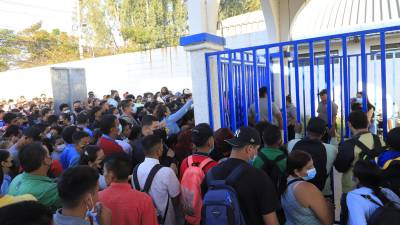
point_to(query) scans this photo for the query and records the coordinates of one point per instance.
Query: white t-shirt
(165, 186)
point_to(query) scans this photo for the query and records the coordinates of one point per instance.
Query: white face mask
(119, 129)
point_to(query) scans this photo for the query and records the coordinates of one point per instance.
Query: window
(392, 50)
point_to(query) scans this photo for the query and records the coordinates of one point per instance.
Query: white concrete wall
(136, 73)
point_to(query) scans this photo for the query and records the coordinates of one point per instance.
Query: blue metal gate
(241, 72)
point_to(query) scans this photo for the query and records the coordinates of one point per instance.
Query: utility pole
(78, 16)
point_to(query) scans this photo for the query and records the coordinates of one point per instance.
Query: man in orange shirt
(128, 206)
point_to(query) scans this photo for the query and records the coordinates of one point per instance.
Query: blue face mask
(310, 174)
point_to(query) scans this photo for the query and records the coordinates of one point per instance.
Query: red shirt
(128, 206)
(109, 146)
(198, 157)
(56, 168)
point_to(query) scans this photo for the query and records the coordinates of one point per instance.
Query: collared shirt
(69, 157)
(60, 219)
(41, 187)
(165, 186)
(128, 206)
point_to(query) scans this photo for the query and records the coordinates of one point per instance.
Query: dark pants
(291, 133)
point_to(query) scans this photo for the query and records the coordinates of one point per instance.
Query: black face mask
(78, 110)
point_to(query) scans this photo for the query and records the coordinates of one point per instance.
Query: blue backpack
(220, 204)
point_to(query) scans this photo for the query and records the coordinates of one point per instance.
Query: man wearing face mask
(36, 162)
(255, 191)
(70, 157)
(203, 139)
(127, 112)
(109, 126)
(77, 189)
(159, 182)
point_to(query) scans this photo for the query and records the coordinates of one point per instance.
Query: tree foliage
(35, 46)
(229, 8)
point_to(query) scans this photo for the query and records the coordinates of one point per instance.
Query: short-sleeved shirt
(165, 186)
(128, 206)
(323, 111)
(42, 188)
(263, 109)
(198, 157)
(69, 157)
(255, 190)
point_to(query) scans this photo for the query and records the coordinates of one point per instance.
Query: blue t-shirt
(69, 157)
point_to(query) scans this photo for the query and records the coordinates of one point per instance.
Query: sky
(20, 14)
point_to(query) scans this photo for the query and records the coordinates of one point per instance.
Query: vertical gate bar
(357, 72)
(341, 98)
(283, 95)
(328, 82)
(364, 73)
(269, 86)
(244, 90)
(255, 89)
(383, 77)
(296, 74)
(221, 93)
(311, 49)
(304, 101)
(231, 94)
(346, 83)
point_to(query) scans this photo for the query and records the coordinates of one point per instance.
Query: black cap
(245, 136)
(322, 92)
(32, 132)
(393, 138)
(201, 133)
(316, 125)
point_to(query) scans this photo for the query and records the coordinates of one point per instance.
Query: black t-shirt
(256, 192)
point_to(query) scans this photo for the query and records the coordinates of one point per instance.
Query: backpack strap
(294, 181)
(235, 174)
(150, 177)
(377, 143)
(135, 178)
(368, 197)
(364, 149)
(205, 162)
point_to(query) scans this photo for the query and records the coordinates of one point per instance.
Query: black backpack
(147, 186)
(272, 169)
(318, 153)
(367, 153)
(386, 214)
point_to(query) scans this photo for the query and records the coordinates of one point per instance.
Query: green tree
(8, 49)
(229, 8)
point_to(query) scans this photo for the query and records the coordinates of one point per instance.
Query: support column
(202, 20)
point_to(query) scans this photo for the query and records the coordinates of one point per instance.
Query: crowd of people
(142, 160)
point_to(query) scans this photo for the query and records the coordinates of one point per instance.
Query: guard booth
(344, 64)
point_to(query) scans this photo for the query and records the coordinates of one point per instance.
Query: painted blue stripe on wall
(200, 38)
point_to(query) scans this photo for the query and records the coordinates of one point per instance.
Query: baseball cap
(322, 92)
(245, 136)
(201, 133)
(316, 125)
(186, 91)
